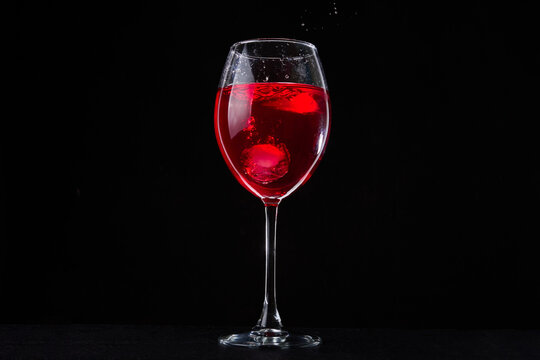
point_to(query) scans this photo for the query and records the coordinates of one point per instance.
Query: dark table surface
(176, 342)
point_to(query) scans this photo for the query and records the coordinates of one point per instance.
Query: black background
(117, 207)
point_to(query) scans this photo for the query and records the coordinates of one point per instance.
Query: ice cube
(301, 103)
(265, 163)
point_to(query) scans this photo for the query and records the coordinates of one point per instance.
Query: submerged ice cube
(302, 103)
(265, 163)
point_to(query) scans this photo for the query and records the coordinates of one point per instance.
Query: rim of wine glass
(278, 40)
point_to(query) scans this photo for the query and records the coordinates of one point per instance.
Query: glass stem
(269, 323)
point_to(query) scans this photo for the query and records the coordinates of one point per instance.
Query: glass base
(261, 339)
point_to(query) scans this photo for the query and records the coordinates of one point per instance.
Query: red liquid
(272, 135)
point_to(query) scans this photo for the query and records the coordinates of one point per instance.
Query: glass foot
(258, 339)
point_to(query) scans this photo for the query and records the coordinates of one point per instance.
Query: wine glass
(272, 120)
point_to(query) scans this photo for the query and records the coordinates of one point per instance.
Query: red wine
(272, 135)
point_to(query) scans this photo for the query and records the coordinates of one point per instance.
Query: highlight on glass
(272, 121)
